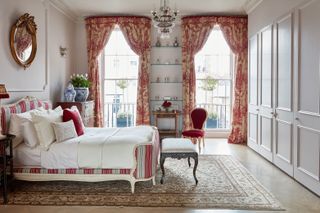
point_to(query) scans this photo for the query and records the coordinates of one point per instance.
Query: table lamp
(3, 92)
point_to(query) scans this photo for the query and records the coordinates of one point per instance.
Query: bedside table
(85, 108)
(6, 164)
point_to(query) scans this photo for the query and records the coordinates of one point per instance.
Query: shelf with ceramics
(175, 44)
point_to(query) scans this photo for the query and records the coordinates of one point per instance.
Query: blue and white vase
(82, 93)
(69, 93)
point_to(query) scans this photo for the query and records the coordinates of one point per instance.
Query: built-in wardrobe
(284, 94)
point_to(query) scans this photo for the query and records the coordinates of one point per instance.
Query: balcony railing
(124, 115)
(218, 115)
(119, 114)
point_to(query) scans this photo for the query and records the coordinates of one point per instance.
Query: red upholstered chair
(198, 117)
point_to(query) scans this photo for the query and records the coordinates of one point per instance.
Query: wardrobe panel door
(307, 125)
(253, 70)
(266, 111)
(283, 141)
(253, 108)
(266, 67)
(266, 134)
(308, 152)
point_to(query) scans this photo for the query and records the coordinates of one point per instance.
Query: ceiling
(83, 8)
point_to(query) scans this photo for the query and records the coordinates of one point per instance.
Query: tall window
(214, 72)
(120, 65)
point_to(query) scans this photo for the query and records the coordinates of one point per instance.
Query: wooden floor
(293, 196)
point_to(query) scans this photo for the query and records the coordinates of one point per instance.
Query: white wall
(47, 74)
(267, 12)
(61, 33)
(81, 65)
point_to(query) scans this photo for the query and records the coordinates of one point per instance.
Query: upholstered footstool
(178, 148)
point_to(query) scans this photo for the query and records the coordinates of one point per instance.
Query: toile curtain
(98, 32)
(195, 31)
(137, 33)
(235, 31)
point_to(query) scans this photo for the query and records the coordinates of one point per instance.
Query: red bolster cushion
(74, 115)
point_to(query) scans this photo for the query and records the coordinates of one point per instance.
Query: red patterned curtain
(235, 31)
(137, 31)
(98, 32)
(195, 32)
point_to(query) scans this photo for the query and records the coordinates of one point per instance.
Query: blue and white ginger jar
(69, 93)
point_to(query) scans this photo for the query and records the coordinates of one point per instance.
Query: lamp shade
(3, 92)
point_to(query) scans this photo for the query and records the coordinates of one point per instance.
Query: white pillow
(29, 134)
(64, 130)
(16, 121)
(42, 124)
(58, 110)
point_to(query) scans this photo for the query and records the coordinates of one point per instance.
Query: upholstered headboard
(23, 105)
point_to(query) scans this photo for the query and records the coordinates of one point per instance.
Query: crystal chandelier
(164, 19)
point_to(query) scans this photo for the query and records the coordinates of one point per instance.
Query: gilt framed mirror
(23, 40)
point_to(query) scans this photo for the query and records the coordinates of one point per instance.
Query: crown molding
(64, 9)
(250, 5)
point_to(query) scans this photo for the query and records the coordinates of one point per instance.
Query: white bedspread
(98, 148)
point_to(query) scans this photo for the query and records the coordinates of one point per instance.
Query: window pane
(120, 83)
(214, 64)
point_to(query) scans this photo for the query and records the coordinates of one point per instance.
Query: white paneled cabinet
(284, 94)
(266, 98)
(253, 107)
(283, 87)
(307, 123)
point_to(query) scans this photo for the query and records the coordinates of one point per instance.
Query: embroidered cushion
(64, 130)
(74, 115)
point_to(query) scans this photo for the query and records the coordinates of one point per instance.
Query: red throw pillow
(74, 115)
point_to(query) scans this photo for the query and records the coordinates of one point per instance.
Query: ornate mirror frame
(24, 21)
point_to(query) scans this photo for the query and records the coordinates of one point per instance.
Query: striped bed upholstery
(24, 105)
(146, 155)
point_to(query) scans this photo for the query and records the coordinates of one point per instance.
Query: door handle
(274, 114)
(296, 118)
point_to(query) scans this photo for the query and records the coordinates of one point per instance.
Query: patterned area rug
(223, 183)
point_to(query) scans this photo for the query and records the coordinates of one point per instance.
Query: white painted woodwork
(253, 71)
(307, 68)
(266, 134)
(283, 140)
(266, 110)
(253, 79)
(266, 67)
(288, 110)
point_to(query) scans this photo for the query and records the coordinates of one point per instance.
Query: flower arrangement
(166, 104)
(80, 80)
